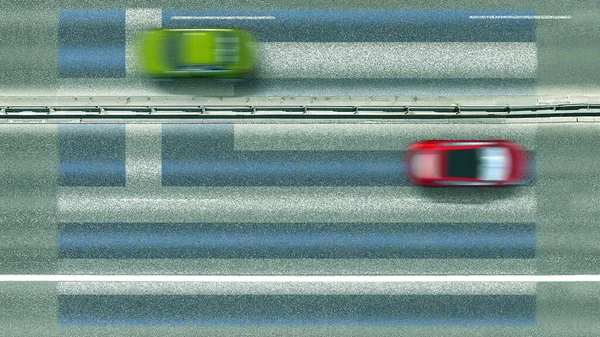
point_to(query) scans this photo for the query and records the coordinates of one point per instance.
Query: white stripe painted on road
(299, 266)
(143, 160)
(295, 288)
(294, 204)
(124, 88)
(365, 137)
(458, 60)
(136, 21)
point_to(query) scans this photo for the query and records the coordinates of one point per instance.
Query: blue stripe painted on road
(292, 240)
(202, 155)
(298, 310)
(91, 155)
(288, 168)
(91, 43)
(361, 25)
(385, 87)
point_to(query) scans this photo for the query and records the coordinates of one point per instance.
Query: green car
(206, 53)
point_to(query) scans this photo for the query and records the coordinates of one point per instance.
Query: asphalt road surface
(248, 198)
(316, 48)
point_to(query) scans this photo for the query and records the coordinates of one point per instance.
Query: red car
(467, 163)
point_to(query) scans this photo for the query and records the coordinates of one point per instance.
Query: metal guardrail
(296, 111)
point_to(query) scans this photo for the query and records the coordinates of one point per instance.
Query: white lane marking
(299, 288)
(521, 17)
(369, 60)
(238, 17)
(301, 279)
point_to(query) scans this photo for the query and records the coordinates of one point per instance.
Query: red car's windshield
(463, 163)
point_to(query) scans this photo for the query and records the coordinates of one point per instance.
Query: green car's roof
(197, 48)
(175, 52)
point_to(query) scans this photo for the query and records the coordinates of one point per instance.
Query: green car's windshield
(227, 48)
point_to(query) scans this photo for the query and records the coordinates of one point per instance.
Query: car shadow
(193, 87)
(468, 195)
